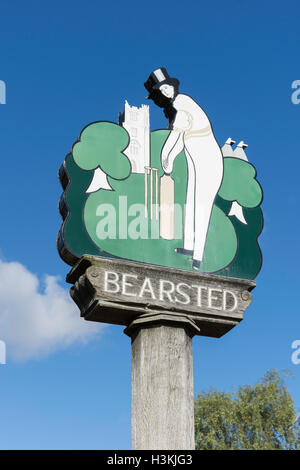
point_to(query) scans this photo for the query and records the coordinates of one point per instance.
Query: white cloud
(38, 318)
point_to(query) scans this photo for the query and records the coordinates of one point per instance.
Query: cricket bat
(167, 207)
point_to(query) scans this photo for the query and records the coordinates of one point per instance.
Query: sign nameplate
(118, 291)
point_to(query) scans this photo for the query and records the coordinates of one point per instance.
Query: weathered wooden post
(193, 278)
(162, 381)
(162, 309)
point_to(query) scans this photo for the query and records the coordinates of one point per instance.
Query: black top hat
(157, 78)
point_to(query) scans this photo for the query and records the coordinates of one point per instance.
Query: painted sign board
(119, 292)
(170, 197)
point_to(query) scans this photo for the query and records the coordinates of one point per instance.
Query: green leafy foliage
(245, 190)
(248, 259)
(221, 242)
(101, 144)
(231, 246)
(259, 417)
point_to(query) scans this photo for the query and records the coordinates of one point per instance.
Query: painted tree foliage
(97, 176)
(259, 417)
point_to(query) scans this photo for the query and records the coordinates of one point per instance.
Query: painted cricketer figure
(191, 131)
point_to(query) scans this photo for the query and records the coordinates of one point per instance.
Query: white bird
(99, 181)
(227, 150)
(239, 151)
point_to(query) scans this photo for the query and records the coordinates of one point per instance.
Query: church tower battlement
(137, 123)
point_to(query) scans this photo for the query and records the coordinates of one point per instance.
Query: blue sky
(66, 64)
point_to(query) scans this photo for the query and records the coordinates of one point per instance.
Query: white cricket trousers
(205, 174)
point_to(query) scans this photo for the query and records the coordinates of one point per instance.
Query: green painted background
(231, 248)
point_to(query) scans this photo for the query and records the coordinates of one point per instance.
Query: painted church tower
(137, 123)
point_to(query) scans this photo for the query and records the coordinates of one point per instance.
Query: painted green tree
(259, 417)
(97, 176)
(100, 146)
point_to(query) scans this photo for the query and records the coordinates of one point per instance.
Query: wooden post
(162, 310)
(162, 382)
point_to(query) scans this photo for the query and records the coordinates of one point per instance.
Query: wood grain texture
(162, 309)
(119, 291)
(162, 389)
